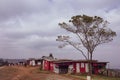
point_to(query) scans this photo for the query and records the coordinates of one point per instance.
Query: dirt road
(29, 73)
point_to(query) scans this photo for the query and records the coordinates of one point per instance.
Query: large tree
(92, 31)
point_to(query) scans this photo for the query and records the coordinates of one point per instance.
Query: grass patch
(98, 77)
(38, 70)
(94, 77)
(45, 72)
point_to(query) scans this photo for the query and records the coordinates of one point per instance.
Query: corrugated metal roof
(67, 60)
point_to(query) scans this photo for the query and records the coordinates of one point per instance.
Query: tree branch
(78, 49)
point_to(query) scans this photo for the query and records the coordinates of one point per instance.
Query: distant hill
(15, 60)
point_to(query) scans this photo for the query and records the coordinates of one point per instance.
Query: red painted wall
(82, 68)
(46, 65)
(51, 66)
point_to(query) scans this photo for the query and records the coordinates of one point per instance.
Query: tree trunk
(90, 63)
(89, 77)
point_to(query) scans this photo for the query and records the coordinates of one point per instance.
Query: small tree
(91, 31)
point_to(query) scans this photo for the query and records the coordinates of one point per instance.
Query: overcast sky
(29, 28)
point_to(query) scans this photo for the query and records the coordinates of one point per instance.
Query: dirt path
(22, 71)
(1, 67)
(33, 73)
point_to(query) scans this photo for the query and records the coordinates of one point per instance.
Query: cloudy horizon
(29, 28)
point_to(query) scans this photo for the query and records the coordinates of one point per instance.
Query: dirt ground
(29, 73)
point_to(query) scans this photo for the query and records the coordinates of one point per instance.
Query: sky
(29, 28)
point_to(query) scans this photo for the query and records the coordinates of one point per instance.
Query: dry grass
(33, 73)
(7, 73)
(25, 77)
(94, 77)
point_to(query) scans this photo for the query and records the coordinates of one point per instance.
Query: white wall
(32, 62)
(77, 67)
(70, 68)
(43, 64)
(55, 69)
(86, 67)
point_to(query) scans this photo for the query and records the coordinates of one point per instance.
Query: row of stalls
(62, 66)
(34, 62)
(39, 62)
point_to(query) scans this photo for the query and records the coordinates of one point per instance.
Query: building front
(34, 62)
(72, 66)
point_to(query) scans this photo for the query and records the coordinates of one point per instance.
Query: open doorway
(63, 69)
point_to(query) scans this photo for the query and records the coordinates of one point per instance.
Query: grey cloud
(13, 8)
(28, 28)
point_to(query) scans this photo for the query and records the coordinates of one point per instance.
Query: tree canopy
(91, 31)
